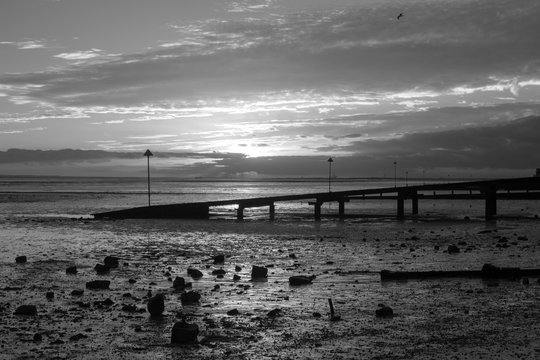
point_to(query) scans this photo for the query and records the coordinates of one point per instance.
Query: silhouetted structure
(488, 190)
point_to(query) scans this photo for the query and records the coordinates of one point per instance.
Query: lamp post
(330, 161)
(395, 174)
(148, 154)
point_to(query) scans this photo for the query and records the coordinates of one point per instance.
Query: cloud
(360, 50)
(80, 55)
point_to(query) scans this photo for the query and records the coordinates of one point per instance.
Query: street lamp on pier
(330, 161)
(148, 154)
(395, 174)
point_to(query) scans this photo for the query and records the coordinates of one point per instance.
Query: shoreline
(472, 317)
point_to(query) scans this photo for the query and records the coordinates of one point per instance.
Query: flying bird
(400, 16)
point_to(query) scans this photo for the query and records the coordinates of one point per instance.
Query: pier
(490, 191)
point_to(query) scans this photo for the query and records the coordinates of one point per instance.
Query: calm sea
(83, 196)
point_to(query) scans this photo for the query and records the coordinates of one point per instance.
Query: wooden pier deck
(489, 190)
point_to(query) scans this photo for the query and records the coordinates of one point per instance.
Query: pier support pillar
(491, 204)
(272, 211)
(317, 206)
(341, 207)
(400, 206)
(240, 212)
(415, 204)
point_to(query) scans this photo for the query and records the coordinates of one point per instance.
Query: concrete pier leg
(272, 211)
(415, 205)
(341, 208)
(240, 213)
(317, 211)
(400, 207)
(491, 204)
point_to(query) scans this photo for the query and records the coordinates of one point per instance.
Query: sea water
(83, 196)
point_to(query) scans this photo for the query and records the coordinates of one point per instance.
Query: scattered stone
(156, 305)
(26, 310)
(129, 308)
(317, 314)
(233, 312)
(236, 277)
(274, 313)
(219, 259)
(184, 333)
(49, 295)
(384, 312)
(101, 269)
(190, 297)
(57, 342)
(293, 256)
(78, 337)
(453, 249)
(77, 292)
(98, 285)
(301, 280)
(237, 268)
(111, 262)
(259, 272)
(71, 270)
(194, 273)
(219, 272)
(179, 283)
(38, 337)
(20, 259)
(132, 281)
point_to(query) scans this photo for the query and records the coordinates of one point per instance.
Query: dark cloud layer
(509, 146)
(365, 49)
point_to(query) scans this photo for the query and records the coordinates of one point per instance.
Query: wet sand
(446, 318)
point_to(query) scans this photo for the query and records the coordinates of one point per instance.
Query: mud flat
(241, 318)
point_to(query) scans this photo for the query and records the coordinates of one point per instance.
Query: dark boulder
(453, 249)
(190, 297)
(111, 262)
(156, 305)
(259, 272)
(98, 285)
(20, 259)
(184, 333)
(219, 259)
(26, 310)
(71, 270)
(77, 292)
(194, 273)
(101, 269)
(179, 283)
(233, 312)
(219, 272)
(301, 279)
(49, 295)
(384, 312)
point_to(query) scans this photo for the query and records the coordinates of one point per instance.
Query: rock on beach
(156, 305)
(259, 272)
(111, 262)
(184, 333)
(98, 285)
(194, 273)
(301, 279)
(26, 310)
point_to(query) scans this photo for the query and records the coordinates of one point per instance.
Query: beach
(242, 318)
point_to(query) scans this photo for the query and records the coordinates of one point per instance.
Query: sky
(270, 88)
